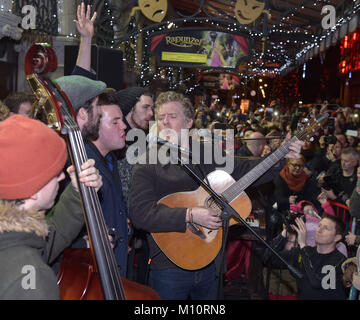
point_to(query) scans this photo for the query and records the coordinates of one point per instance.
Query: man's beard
(137, 124)
(90, 130)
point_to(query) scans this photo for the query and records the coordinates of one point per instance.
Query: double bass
(85, 274)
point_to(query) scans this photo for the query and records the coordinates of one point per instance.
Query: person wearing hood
(32, 159)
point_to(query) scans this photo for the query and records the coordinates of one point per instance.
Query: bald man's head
(256, 146)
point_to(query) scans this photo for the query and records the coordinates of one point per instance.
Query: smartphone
(352, 133)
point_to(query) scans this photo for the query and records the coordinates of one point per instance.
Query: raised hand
(300, 228)
(85, 24)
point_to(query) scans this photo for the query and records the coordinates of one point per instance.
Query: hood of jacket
(13, 219)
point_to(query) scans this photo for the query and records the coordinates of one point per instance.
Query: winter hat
(80, 89)
(31, 154)
(127, 98)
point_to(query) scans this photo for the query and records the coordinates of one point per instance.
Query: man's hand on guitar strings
(207, 217)
(294, 147)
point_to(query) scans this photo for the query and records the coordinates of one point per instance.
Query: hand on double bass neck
(89, 175)
(206, 217)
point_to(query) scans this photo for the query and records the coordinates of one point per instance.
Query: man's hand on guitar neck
(294, 147)
(205, 217)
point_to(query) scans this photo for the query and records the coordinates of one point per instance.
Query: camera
(289, 219)
(330, 183)
(330, 139)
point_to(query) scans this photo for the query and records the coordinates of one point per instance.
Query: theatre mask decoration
(247, 11)
(154, 10)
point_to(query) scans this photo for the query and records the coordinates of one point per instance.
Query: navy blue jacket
(112, 203)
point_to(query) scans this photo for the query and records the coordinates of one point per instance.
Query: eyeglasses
(296, 166)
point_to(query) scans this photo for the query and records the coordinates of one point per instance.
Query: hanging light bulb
(304, 71)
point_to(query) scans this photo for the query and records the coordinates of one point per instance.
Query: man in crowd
(339, 184)
(320, 266)
(28, 240)
(254, 145)
(19, 103)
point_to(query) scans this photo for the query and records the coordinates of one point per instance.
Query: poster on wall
(199, 48)
(222, 81)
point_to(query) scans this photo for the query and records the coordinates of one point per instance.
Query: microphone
(152, 139)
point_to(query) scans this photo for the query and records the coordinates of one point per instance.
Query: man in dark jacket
(320, 266)
(104, 134)
(151, 182)
(29, 241)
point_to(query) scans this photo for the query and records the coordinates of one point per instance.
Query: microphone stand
(229, 211)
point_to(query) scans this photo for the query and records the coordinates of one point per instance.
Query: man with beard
(101, 123)
(137, 105)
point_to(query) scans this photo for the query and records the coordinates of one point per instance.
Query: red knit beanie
(31, 154)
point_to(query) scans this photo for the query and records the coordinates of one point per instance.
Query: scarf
(294, 183)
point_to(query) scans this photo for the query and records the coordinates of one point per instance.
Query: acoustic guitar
(199, 246)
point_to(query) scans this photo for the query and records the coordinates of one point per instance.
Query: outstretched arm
(85, 26)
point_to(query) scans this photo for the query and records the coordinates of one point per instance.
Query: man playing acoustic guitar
(175, 272)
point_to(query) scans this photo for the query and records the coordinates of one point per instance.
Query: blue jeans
(179, 284)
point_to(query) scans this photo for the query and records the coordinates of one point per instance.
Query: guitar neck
(238, 187)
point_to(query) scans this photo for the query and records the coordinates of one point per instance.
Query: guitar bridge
(195, 230)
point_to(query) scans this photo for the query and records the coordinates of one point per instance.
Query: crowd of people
(302, 191)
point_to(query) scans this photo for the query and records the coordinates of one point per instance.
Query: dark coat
(151, 182)
(112, 203)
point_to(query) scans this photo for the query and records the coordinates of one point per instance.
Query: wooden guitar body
(188, 250)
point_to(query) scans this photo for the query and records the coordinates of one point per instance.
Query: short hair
(15, 99)
(107, 98)
(351, 151)
(172, 96)
(4, 111)
(339, 225)
(301, 157)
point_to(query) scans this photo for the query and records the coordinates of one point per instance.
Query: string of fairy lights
(274, 51)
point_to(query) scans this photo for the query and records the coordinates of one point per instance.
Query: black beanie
(127, 98)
